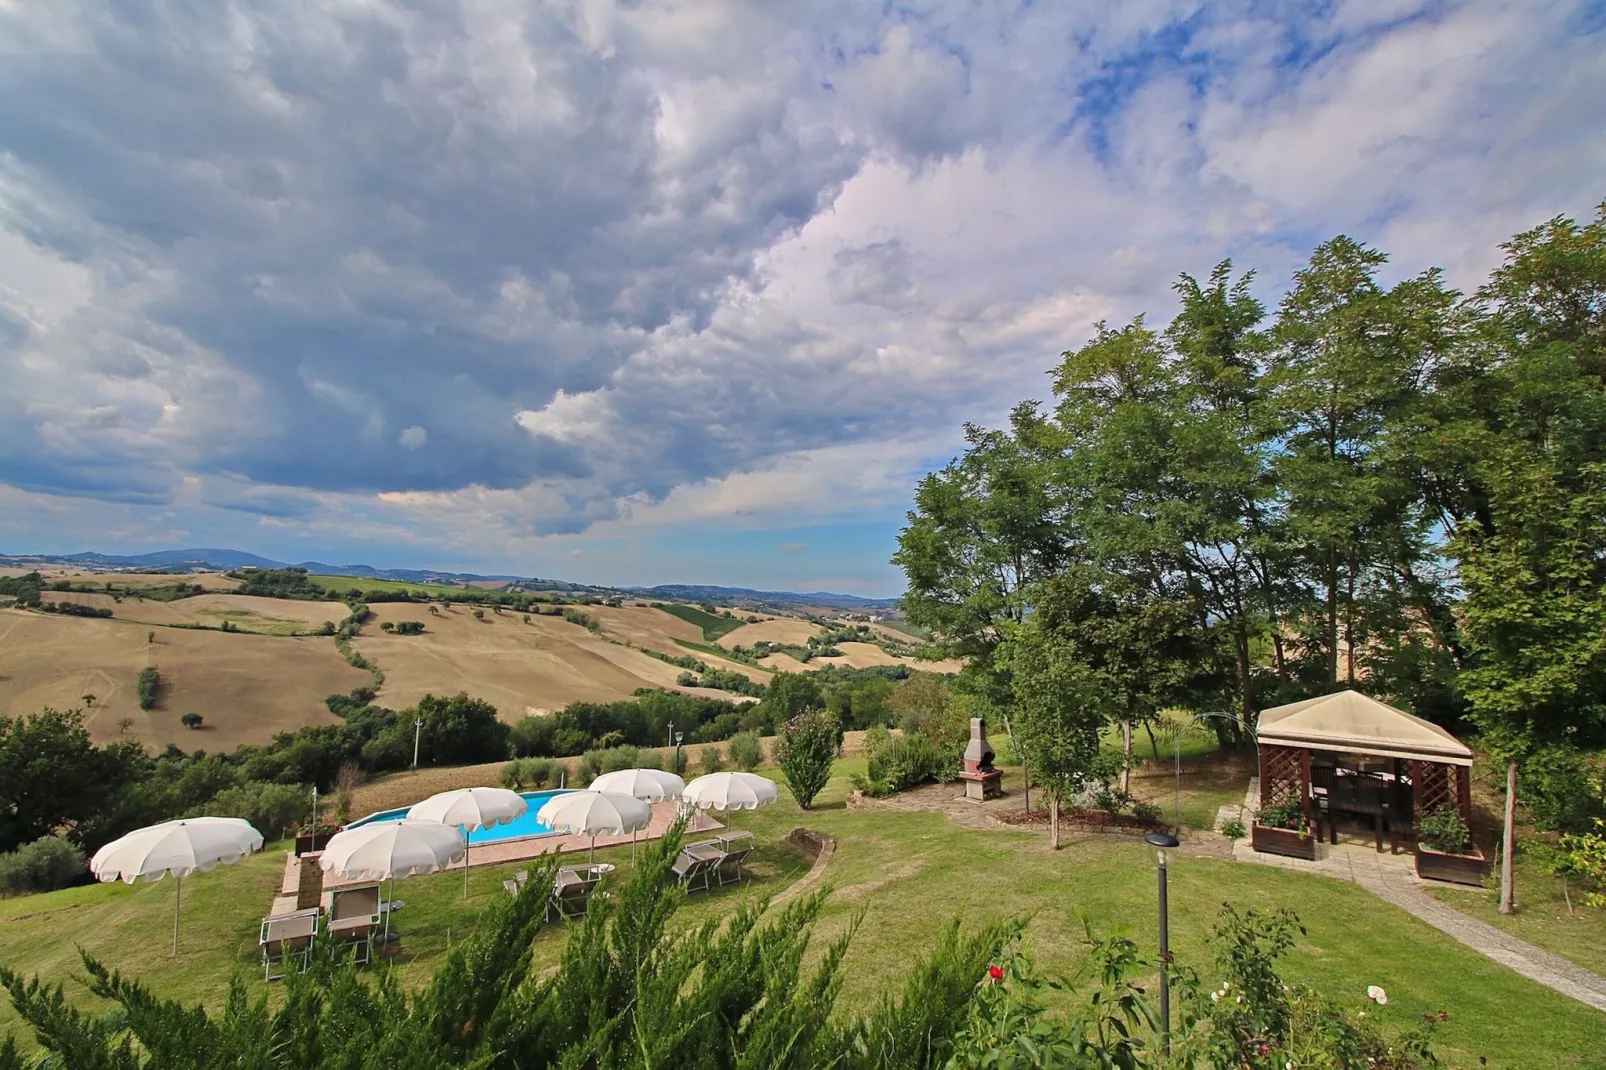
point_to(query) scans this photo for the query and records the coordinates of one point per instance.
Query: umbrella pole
(390, 905)
(178, 888)
(591, 856)
(465, 862)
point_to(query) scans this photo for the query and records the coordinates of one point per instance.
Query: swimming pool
(517, 829)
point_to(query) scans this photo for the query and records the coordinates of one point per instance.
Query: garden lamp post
(1164, 846)
(418, 728)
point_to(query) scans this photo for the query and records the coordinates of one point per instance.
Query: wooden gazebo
(1348, 755)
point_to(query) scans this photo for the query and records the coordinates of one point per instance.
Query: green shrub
(512, 776)
(905, 762)
(191, 720)
(391, 749)
(272, 808)
(531, 735)
(877, 738)
(44, 865)
(1234, 829)
(1444, 830)
(808, 745)
(711, 760)
(746, 751)
(1147, 812)
(149, 681)
(539, 772)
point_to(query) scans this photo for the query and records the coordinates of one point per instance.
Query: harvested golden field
(788, 631)
(786, 663)
(519, 668)
(857, 656)
(247, 687)
(212, 581)
(249, 613)
(656, 630)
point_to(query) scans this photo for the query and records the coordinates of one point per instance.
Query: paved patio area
(490, 854)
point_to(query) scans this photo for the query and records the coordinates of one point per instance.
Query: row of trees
(1398, 488)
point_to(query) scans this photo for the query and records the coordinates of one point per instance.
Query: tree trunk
(1053, 820)
(1025, 771)
(1349, 625)
(1153, 746)
(1332, 612)
(1245, 680)
(1126, 757)
(1507, 891)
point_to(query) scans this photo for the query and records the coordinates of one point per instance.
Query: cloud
(479, 277)
(793, 547)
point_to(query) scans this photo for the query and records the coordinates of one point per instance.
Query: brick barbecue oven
(982, 781)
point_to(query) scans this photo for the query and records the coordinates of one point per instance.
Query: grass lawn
(1542, 916)
(908, 873)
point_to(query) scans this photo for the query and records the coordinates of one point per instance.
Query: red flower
(995, 972)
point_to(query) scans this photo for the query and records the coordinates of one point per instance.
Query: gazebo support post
(1306, 796)
(178, 890)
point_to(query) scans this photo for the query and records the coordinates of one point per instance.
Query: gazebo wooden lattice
(1430, 762)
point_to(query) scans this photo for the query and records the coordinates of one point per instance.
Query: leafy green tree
(789, 694)
(458, 730)
(1058, 715)
(982, 531)
(746, 752)
(147, 686)
(53, 778)
(1533, 556)
(808, 745)
(191, 720)
(275, 809)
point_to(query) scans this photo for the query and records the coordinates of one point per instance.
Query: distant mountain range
(208, 559)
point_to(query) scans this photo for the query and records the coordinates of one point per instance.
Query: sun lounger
(354, 917)
(729, 868)
(696, 864)
(284, 936)
(511, 887)
(572, 890)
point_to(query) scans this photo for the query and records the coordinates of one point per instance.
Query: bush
(149, 680)
(389, 750)
(612, 759)
(1147, 812)
(711, 760)
(273, 808)
(746, 751)
(1234, 829)
(191, 720)
(48, 863)
(531, 735)
(1444, 830)
(808, 745)
(904, 763)
(876, 739)
(513, 775)
(410, 627)
(539, 772)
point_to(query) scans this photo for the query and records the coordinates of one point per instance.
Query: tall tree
(1533, 559)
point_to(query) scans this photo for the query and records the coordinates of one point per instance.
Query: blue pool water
(518, 829)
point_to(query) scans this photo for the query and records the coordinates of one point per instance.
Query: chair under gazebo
(1350, 760)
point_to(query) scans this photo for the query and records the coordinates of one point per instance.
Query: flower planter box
(1457, 869)
(1284, 842)
(307, 844)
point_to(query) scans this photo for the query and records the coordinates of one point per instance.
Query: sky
(652, 292)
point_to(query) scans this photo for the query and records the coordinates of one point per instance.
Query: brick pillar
(309, 890)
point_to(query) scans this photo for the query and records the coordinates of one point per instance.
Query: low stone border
(822, 847)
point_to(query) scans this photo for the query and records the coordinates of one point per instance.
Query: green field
(712, 624)
(908, 873)
(342, 584)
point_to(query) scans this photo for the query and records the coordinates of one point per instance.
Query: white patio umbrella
(176, 847)
(730, 791)
(390, 849)
(470, 809)
(594, 813)
(648, 785)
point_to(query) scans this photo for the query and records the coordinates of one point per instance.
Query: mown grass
(1544, 916)
(712, 624)
(901, 876)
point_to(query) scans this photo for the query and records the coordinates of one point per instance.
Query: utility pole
(418, 728)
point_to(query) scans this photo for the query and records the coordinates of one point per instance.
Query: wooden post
(1304, 782)
(1507, 891)
(1463, 792)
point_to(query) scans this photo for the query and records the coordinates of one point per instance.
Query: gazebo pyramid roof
(1350, 721)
